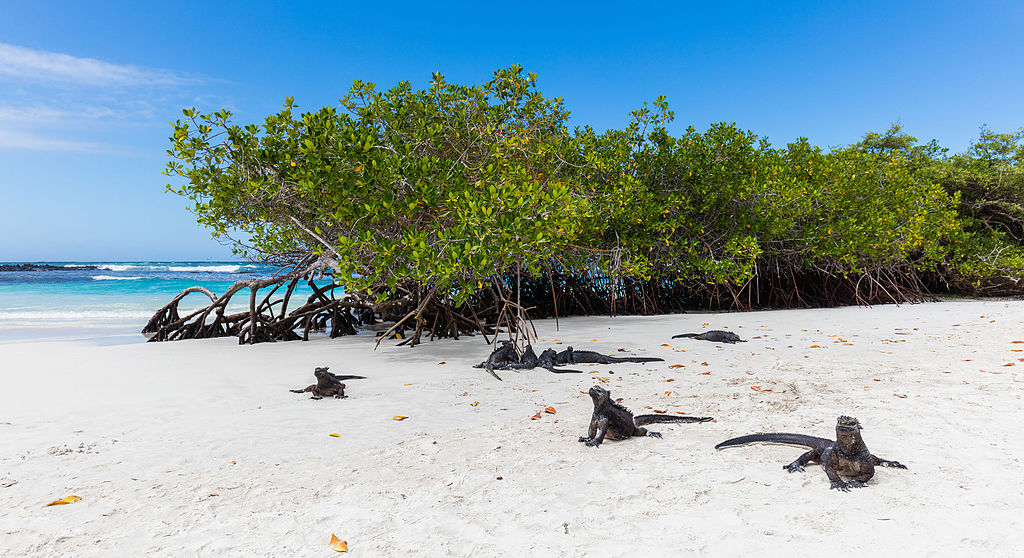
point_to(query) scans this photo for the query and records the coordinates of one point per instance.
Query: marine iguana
(569, 356)
(716, 335)
(501, 358)
(847, 456)
(616, 422)
(327, 385)
(546, 360)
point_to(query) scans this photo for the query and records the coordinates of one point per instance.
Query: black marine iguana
(616, 422)
(327, 384)
(716, 335)
(501, 358)
(569, 356)
(847, 456)
(546, 360)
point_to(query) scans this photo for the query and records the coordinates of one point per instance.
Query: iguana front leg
(828, 464)
(598, 429)
(888, 463)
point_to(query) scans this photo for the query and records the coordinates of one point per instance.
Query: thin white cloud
(23, 63)
(48, 114)
(10, 139)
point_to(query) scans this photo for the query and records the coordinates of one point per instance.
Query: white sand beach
(197, 448)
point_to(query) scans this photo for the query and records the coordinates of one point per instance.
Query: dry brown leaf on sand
(535, 417)
(338, 544)
(549, 410)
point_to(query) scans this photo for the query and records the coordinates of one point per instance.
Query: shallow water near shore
(107, 302)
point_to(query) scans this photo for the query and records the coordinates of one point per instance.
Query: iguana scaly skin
(327, 385)
(716, 335)
(615, 422)
(570, 356)
(848, 456)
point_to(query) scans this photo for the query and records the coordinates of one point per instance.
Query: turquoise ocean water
(108, 302)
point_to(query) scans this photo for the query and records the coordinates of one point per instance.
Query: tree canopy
(479, 199)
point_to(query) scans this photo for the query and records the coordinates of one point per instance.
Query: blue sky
(87, 88)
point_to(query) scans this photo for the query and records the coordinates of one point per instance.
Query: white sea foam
(116, 267)
(73, 315)
(113, 278)
(208, 268)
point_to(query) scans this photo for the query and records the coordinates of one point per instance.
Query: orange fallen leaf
(549, 410)
(399, 417)
(704, 364)
(535, 417)
(956, 325)
(877, 379)
(815, 347)
(677, 366)
(668, 393)
(659, 411)
(901, 395)
(902, 333)
(670, 380)
(474, 404)
(337, 544)
(334, 435)
(647, 406)
(1010, 364)
(623, 350)
(705, 373)
(66, 500)
(1016, 341)
(665, 345)
(756, 337)
(442, 362)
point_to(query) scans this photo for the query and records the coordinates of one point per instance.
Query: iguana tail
(562, 370)
(686, 335)
(347, 377)
(641, 420)
(490, 370)
(636, 359)
(776, 438)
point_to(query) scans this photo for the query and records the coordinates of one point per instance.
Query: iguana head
(848, 434)
(600, 395)
(847, 422)
(321, 371)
